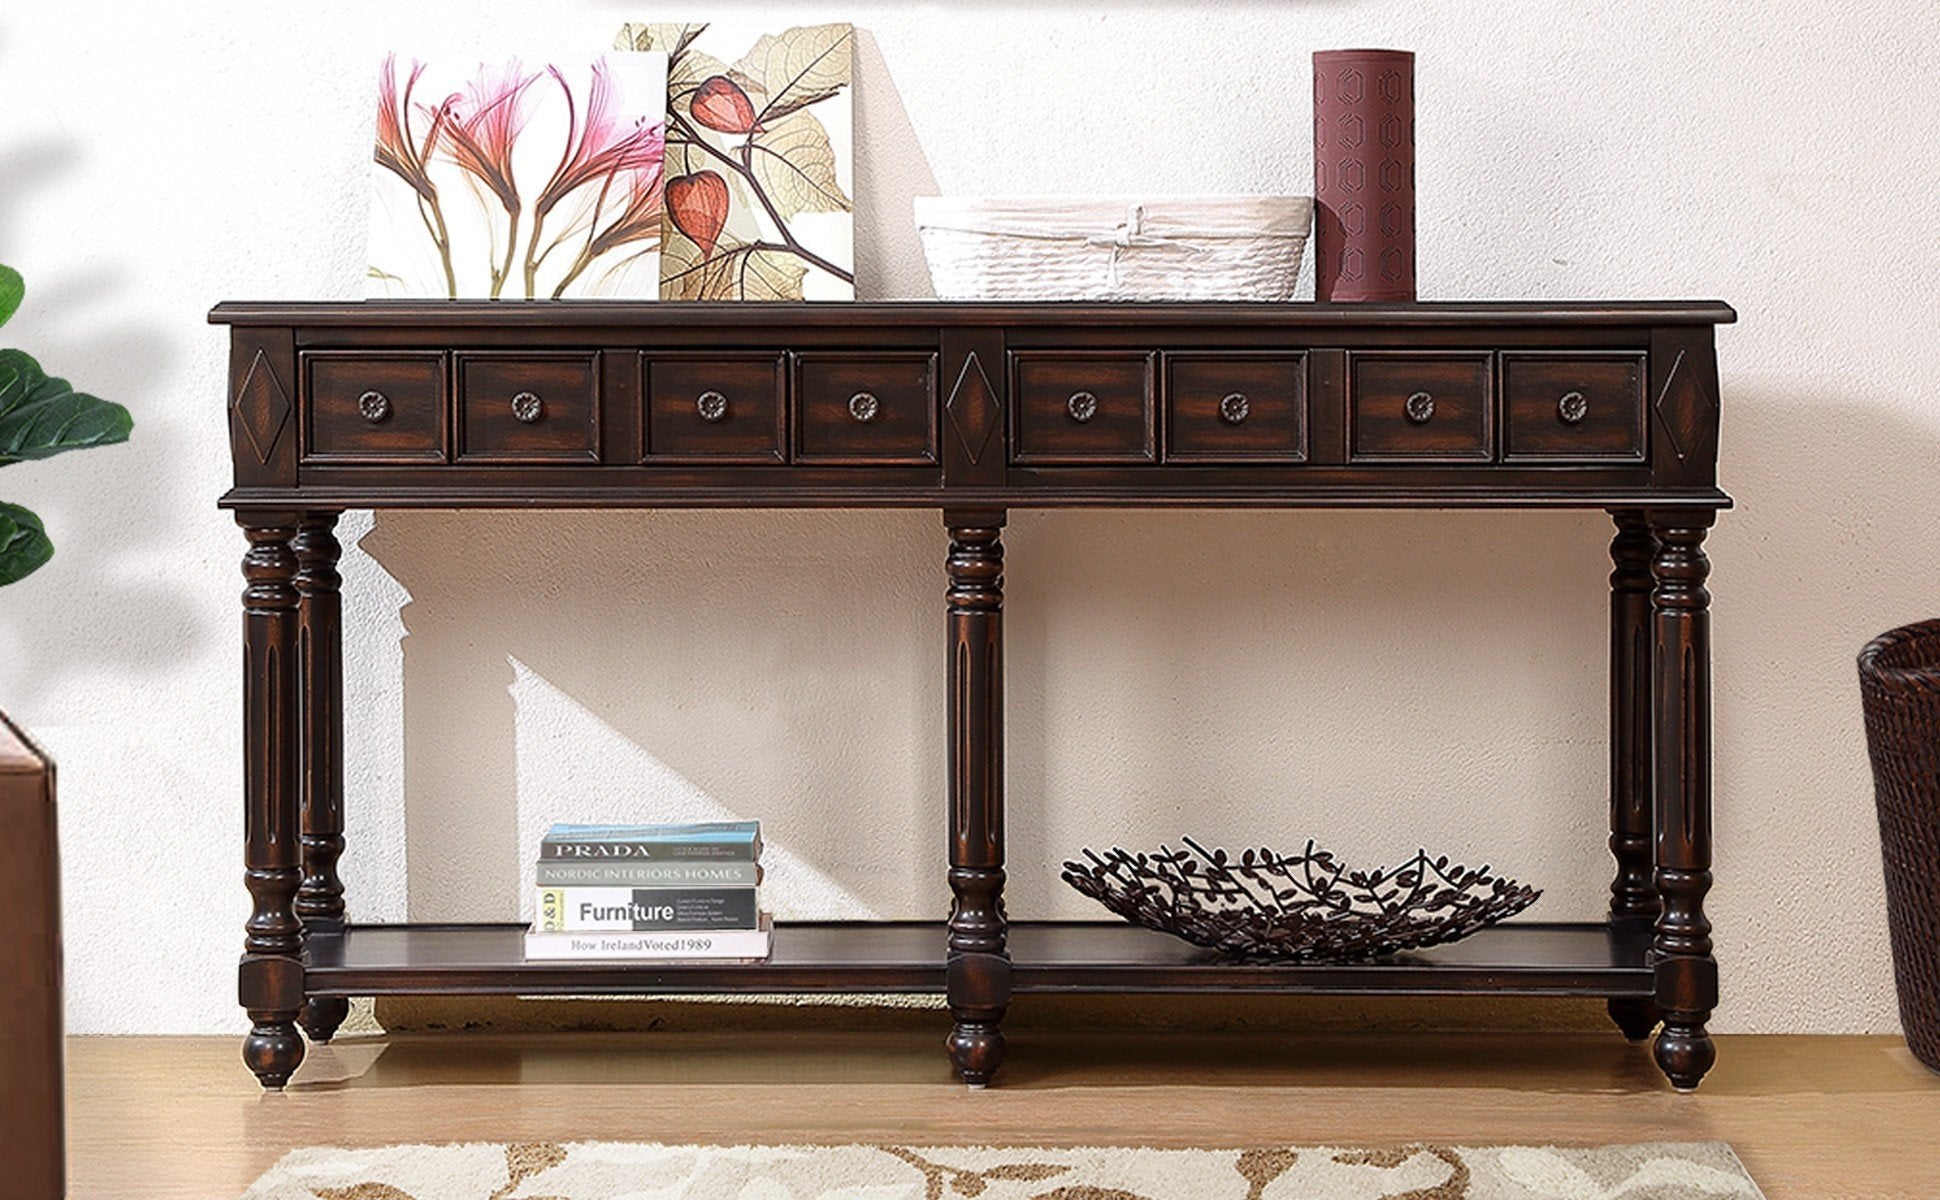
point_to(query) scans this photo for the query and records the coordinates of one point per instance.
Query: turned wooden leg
(978, 971)
(320, 690)
(1687, 975)
(1633, 894)
(270, 982)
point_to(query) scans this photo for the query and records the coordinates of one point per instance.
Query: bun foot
(272, 1051)
(321, 1017)
(1684, 1052)
(976, 1050)
(1635, 1016)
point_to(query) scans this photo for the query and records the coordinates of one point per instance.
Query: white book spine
(706, 946)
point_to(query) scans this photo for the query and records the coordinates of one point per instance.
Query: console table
(974, 409)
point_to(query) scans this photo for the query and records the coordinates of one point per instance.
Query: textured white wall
(1376, 680)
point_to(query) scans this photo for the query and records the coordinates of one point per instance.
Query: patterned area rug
(638, 1171)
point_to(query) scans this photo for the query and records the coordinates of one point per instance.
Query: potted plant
(40, 416)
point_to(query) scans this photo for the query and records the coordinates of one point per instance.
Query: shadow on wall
(1833, 543)
(75, 323)
(889, 177)
(1244, 676)
(669, 666)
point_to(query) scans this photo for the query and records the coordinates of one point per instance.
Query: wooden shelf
(1049, 956)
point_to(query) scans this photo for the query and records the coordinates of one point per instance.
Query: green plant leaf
(41, 416)
(24, 547)
(12, 288)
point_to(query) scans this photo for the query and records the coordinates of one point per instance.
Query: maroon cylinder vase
(1364, 175)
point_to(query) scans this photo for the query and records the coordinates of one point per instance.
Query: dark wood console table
(974, 410)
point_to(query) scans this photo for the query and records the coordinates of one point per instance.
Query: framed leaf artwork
(519, 181)
(760, 150)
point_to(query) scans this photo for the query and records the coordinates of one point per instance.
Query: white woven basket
(1164, 248)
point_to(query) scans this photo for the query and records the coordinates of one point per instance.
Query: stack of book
(650, 893)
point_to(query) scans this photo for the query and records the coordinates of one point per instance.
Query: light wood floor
(1815, 1118)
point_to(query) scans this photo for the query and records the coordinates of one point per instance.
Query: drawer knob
(1419, 408)
(375, 406)
(1234, 408)
(527, 408)
(864, 407)
(1572, 408)
(1082, 406)
(712, 406)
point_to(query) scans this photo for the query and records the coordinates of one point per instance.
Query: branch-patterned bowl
(1309, 907)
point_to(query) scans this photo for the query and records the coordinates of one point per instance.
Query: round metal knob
(527, 408)
(1082, 406)
(712, 406)
(864, 407)
(1572, 408)
(1234, 408)
(374, 405)
(1419, 407)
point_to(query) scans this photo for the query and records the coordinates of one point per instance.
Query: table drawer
(865, 408)
(528, 408)
(373, 407)
(718, 408)
(1236, 407)
(1077, 407)
(1422, 407)
(1572, 407)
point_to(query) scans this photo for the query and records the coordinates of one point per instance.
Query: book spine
(552, 873)
(740, 944)
(645, 910)
(658, 850)
(677, 831)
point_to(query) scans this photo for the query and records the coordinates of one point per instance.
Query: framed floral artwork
(516, 181)
(760, 150)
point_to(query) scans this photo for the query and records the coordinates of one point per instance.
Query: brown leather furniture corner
(32, 1153)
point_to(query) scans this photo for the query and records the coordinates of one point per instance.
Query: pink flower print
(485, 123)
(638, 221)
(599, 148)
(399, 151)
(479, 136)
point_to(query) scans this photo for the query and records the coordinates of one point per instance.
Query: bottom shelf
(1046, 956)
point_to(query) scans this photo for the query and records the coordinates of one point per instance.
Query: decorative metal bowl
(1307, 907)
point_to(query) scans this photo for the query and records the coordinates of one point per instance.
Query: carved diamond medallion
(972, 409)
(1686, 408)
(261, 407)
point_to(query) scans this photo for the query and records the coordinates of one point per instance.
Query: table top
(435, 313)
(578, 404)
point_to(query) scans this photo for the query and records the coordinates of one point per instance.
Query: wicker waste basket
(1899, 683)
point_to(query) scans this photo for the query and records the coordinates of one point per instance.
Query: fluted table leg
(1687, 975)
(270, 982)
(320, 687)
(978, 971)
(1633, 893)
